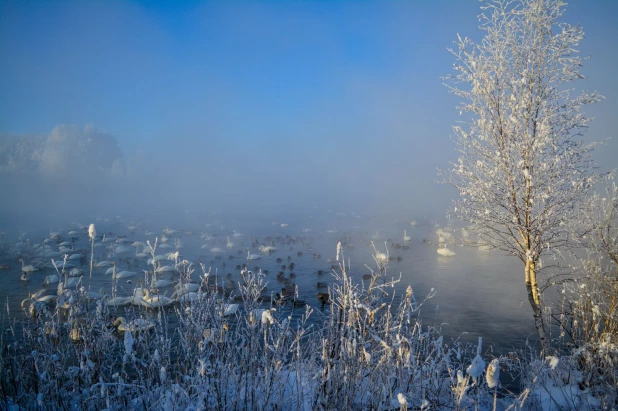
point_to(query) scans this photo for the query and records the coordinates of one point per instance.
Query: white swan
(123, 250)
(103, 264)
(265, 315)
(33, 308)
(229, 244)
(96, 294)
(253, 256)
(165, 269)
(116, 301)
(125, 274)
(160, 283)
(140, 254)
(237, 234)
(230, 309)
(139, 324)
(27, 268)
(72, 282)
(157, 300)
(51, 279)
(406, 237)
(381, 257)
(443, 251)
(39, 297)
(188, 297)
(267, 248)
(187, 287)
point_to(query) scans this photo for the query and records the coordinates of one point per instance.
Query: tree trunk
(535, 302)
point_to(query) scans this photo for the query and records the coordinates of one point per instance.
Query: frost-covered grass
(368, 351)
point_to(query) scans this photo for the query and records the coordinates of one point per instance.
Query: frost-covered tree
(522, 170)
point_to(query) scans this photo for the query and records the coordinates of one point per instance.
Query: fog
(252, 108)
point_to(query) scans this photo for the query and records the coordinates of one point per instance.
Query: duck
(324, 298)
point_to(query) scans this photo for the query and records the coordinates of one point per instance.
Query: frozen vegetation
(368, 349)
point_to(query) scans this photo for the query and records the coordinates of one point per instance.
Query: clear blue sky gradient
(297, 85)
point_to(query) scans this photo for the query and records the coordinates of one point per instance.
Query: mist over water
(321, 116)
(476, 293)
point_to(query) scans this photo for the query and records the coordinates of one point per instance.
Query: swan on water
(229, 309)
(33, 308)
(116, 301)
(51, 279)
(27, 268)
(139, 324)
(267, 248)
(253, 256)
(160, 283)
(446, 252)
(156, 300)
(125, 274)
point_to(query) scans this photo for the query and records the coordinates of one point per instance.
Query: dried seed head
(492, 374)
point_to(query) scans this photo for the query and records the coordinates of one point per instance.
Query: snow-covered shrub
(368, 350)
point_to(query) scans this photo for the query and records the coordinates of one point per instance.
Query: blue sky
(340, 91)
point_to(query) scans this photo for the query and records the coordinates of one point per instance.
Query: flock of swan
(121, 262)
